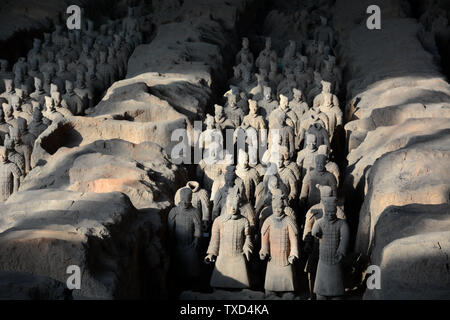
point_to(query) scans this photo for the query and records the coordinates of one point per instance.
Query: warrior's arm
(345, 237)
(305, 189)
(317, 230)
(17, 177)
(216, 205)
(293, 235)
(265, 244)
(213, 248)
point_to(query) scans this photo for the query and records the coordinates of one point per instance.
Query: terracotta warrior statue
(246, 50)
(333, 235)
(230, 245)
(310, 194)
(230, 181)
(200, 201)
(185, 231)
(9, 175)
(305, 157)
(311, 244)
(279, 243)
(249, 176)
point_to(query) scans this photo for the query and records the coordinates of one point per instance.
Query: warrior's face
(320, 163)
(232, 100)
(253, 107)
(3, 154)
(330, 210)
(243, 160)
(311, 142)
(280, 161)
(185, 199)
(283, 102)
(278, 207)
(232, 207)
(230, 176)
(245, 43)
(9, 86)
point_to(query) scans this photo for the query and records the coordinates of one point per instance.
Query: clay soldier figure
(297, 104)
(233, 112)
(283, 108)
(334, 238)
(24, 96)
(105, 71)
(9, 175)
(39, 93)
(76, 66)
(200, 201)
(245, 49)
(21, 148)
(18, 79)
(33, 72)
(333, 113)
(36, 52)
(314, 88)
(50, 112)
(266, 189)
(320, 132)
(267, 104)
(4, 126)
(58, 37)
(289, 55)
(330, 74)
(74, 102)
(256, 121)
(324, 33)
(326, 90)
(4, 74)
(261, 81)
(230, 241)
(330, 166)
(220, 119)
(279, 242)
(9, 114)
(306, 156)
(82, 91)
(85, 55)
(318, 176)
(17, 158)
(209, 138)
(291, 165)
(60, 104)
(27, 137)
(112, 62)
(47, 83)
(230, 181)
(185, 231)
(312, 244)
(302, 78)
(93, 82)
(253, 119)
(62, 76)
(249, 176)
(37, 126)
(287, 177)
(21, 66)
(50, 66)
(286, 86)
(16, 104)
(9, 90)
(280, 131)
(243, 102)
(263, 60)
